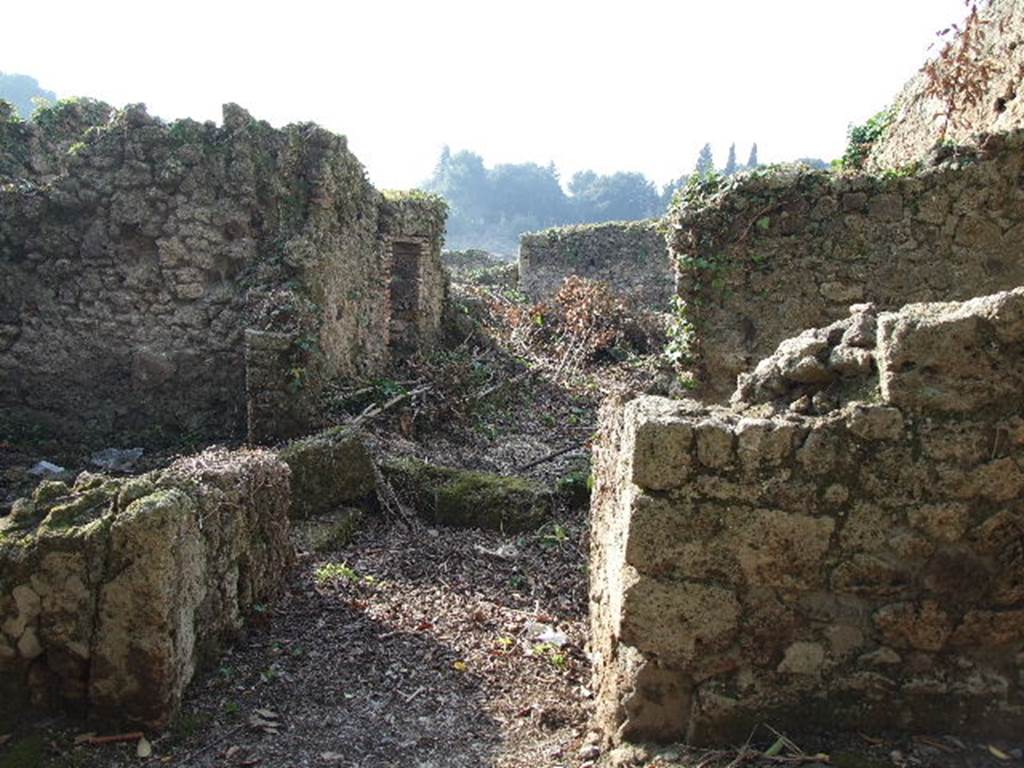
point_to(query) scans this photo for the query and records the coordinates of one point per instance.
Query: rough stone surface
(955, 357)
(330, 469)
(112, 592)
(918, 122)
(469, 499)
(631, 257)
(763, 255)
(858, 566)
(160, 282)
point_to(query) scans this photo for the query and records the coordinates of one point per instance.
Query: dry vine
(959, 76)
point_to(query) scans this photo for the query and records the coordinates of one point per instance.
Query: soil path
(407, 648)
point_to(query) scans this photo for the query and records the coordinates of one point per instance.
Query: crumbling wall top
(762, 255)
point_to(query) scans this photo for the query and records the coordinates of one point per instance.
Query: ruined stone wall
(763, 255)
(918, 121)
(40, 149)
(417, 219)
(843, 550)
(166, 281)
(113, 591)
(630, 256)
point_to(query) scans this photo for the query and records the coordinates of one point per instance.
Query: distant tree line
(24, 93)
(491, 207)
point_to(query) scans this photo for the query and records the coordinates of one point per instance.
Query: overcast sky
(629, 85)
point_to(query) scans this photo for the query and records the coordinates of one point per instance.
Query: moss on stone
(133, 489)
(26, 752)
(50, 490)
(82, 507)
(328, 470)
(469, 498)
(575, 488)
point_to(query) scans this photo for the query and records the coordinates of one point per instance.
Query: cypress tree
(730, 164)
(752, 160)
(705, 161)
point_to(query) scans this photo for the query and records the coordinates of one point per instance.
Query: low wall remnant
(841, 547)
(113, 591)
(630, 256)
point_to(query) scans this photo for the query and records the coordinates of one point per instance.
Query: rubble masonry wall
(852, 561)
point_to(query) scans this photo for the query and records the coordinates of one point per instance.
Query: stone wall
(918, 122)
(630, 256)
(765, 254)
(414, 224)
(166, 281)
(840, 550)
(113, 591)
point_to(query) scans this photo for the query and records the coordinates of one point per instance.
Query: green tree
(752, 160)
(705, 161)
(24, 93)
(490, 208)
(730, 165)
(619, 197)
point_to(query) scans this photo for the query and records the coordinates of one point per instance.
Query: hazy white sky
(630, 85)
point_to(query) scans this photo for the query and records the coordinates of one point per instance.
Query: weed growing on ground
(329, 573)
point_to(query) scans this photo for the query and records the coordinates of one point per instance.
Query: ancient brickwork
(135, 261)
(763, 255)
(843, 549)
(630, 256)
(919, 120)
(113, 591)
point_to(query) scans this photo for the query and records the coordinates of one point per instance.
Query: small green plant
(551, 653)
(902, 172)
(681, 334)
(297, 379)
(862, 138)
(308, 343)
(385, 389)
(232, 709)
(332, 572)
(558, 534)
(698, 190)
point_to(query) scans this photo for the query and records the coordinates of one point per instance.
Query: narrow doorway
(405, 267)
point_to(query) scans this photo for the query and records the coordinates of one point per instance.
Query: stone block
(110, 606)
(954, 357)
(329, 470)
